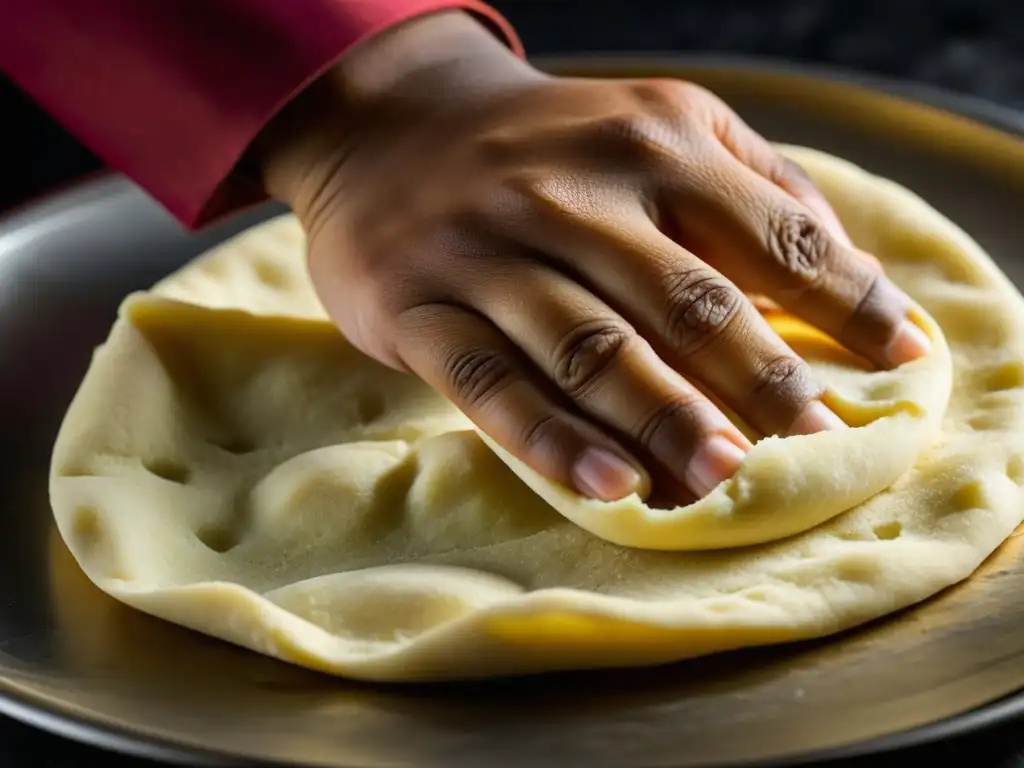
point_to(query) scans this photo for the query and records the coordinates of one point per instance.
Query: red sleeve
(172, 92)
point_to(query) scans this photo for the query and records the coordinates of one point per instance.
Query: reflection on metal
(77, 662)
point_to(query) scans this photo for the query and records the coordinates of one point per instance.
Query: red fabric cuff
(172, 93)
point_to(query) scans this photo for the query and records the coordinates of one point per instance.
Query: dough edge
(547, 629)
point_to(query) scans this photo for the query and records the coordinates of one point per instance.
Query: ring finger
(613, 375)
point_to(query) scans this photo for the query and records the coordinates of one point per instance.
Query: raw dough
(232, 465)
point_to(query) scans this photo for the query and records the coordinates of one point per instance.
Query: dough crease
(231, 464)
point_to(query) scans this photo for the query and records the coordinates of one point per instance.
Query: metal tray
(75, 662)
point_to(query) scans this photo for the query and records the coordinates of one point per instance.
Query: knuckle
(693, 93)
(665, 94)
(629, 130)
(666, 114)
(541, 433)
(477, 375)
(800, 246)
(792, 170)
(496, 149)
(874, 315)
(677, 92)
(374, 315)
(764, 160)
(786, 379)
(701, 306)
(372, 330)
(680, 413)
(526, 194)
(586, 354)
(628, 125)
(638, 138)
(705, 108)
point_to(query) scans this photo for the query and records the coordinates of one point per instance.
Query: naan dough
(232, 465)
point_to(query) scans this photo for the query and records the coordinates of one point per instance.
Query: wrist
(435, 61)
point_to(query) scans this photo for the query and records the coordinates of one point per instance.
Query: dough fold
(230, 463)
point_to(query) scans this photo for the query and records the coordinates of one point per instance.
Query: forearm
(173, 93)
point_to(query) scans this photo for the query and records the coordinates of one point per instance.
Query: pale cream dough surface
(231, 464)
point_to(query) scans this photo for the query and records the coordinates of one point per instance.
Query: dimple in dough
(231, 464)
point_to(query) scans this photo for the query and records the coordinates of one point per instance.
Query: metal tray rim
(18, 705)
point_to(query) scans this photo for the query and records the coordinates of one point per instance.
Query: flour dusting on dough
(231, 464)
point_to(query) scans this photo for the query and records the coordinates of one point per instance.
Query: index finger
(769, 242)
(755, 152)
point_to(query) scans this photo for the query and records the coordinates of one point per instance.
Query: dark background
(968, 46)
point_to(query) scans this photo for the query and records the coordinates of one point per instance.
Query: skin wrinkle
(699, 311)
(586, 353)
(864, 305)
(681, 408)
(787, 375)
(797, 243)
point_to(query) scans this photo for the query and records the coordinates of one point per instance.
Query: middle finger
(598, 360)
(697, 320)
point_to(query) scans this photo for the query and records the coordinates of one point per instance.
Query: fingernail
(828, 217)
(815, 417)
(715, 461)
(909, 343)
(600, 474)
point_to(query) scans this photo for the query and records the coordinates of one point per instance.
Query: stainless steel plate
(76, 662)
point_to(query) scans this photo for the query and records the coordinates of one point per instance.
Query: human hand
(566, 259)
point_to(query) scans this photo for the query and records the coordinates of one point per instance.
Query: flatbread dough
(231, 464)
